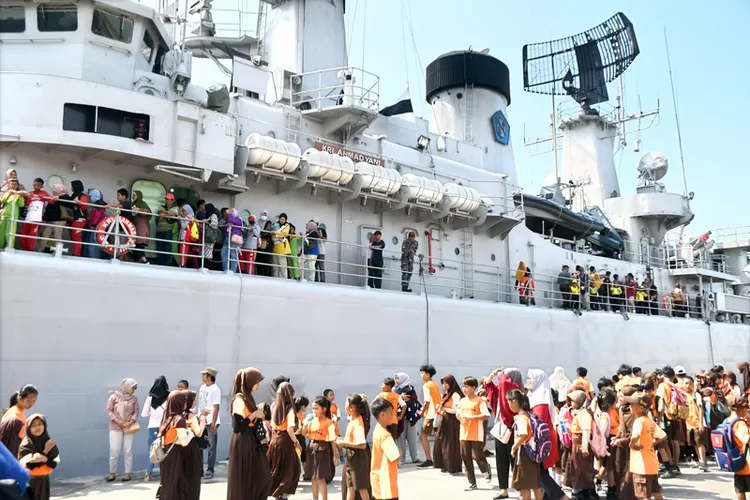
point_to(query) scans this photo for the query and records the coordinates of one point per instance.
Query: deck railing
(345, 264)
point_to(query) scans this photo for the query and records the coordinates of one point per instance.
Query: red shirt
(40, 195)
(629, 289)
(542, 411)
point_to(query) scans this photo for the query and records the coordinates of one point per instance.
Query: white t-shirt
(154, 415)
(209, 396)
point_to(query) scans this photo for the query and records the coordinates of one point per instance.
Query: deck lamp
(423, 142)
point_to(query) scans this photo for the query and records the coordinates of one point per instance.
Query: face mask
(263, 217)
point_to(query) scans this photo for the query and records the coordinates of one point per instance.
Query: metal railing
(347, 264)
(731, 234)
(348, 86)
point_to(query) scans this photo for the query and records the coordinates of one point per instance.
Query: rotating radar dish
(653, 167)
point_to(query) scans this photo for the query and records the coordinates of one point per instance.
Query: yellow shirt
(384, 464)
(282, 247)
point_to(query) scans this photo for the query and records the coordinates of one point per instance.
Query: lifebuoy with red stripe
(106, 228)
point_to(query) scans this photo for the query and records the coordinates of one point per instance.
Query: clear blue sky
(708, 47)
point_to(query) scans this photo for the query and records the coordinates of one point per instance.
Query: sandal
(126, 478)
(110, 478)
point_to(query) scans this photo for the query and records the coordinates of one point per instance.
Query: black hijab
(35, 444)
(159, 392)
(284, 402)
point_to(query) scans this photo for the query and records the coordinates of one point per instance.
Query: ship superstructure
(97, 90)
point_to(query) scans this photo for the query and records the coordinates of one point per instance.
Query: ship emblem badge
(501, 127)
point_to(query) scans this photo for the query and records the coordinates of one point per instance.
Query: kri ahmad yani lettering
(353, 155)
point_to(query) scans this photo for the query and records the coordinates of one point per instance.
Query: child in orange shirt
(39, 454)
(356, 476)
(472, 410)
(335, 413)
(389, 395)
(584, 382)
(321, 458)
(643, 462)
(385, 453)
(526, 473)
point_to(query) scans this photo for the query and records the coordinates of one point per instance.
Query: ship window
(190, 196)
(12, 19)
(112, 26)
(147, 46)
(79, 118)
(123, 124)
(57, 17)
(395, 240)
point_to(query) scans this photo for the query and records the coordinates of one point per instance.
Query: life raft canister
(105, 229)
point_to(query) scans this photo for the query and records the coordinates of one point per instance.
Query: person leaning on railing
(165, 230)
(53, 217)
(232, 241)
(11, 203)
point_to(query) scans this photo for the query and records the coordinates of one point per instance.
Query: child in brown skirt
(356, 477)
(579, 472)
(321, 457)
(526, 473)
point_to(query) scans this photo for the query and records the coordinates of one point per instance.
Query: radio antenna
(676, 114)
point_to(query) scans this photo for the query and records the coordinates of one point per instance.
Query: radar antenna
(581, 65)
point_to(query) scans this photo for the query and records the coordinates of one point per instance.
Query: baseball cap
(679, 370)
(252, 218)
(169, 196)
(639, 398)
(412, 233)
(210, 371)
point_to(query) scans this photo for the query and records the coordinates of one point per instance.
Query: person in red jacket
(543, 406)
(30, 230)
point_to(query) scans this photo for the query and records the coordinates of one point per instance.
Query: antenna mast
(676, 114)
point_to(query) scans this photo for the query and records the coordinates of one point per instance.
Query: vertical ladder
(469, 114)
(467, 242)
(293, 126)
(261, 31)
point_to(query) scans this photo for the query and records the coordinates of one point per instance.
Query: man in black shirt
(375, 262)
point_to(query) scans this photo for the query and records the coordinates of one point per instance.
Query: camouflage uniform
(408, 251)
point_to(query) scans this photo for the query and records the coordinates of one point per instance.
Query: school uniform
(395, 401)
(357, 466)
(472, 435)
(384, 465)
(696, 436)
(741, 439)
(675, 428)
(321, 433)
(431, 395)
(526, 473)
(282, 455)
(249, 474)
(579, 472)
(622, 475)
(446, 451)
(587, 387)
(643, 463)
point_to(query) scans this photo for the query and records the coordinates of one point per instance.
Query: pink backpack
(598, 443)
(566, 420)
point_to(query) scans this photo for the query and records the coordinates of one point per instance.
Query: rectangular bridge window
(12, 19)
(113, 26)
(107, 121)
(57, 17)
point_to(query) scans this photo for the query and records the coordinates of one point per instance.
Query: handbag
(66, 213)
(236, 239)
(203, 441)
(132, 429)
(156, 453)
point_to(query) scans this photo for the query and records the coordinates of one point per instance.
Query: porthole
(395, 240)
(457, 251)
(492, 257)
(460, 95)
(369, 237)
(53, 180)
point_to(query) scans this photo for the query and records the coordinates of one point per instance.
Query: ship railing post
(203, 243)
(117, 232)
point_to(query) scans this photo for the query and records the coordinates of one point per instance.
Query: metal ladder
(467, 242)
(261, 30)
(469, 114)
(293, 125)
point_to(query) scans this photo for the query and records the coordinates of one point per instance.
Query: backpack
(210, 235)
(729, 458)
(539, 446)
(598, 443)
(566, 420)
(678, 407)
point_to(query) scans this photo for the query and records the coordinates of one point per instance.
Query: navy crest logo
(501, 127)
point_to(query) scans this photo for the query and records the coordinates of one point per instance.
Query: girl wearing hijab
(580, 473)
(122, 410)
(211, 235)
(153, 410)
(11, 203)
(96, 213)
(263, 257)
(142, 220)
(13, 423)
(39, 454)
(543, 406)
(623, 479)
(447, 449)
(249, 473)
(283, 454)
(181, 468)
(230, 255)
(508, 379)
(407, 425)
(10, 174)
(560, 382)
(310, 251)
(79, 199)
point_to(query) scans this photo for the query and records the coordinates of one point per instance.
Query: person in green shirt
(10, 207)
(293, 258)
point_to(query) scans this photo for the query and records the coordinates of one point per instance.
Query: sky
(708, 51)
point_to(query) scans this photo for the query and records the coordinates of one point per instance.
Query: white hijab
(539, 392)
(559, 382)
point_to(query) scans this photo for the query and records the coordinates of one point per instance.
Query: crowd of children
(630, 433)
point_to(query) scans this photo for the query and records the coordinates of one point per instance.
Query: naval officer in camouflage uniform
(408, 251)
